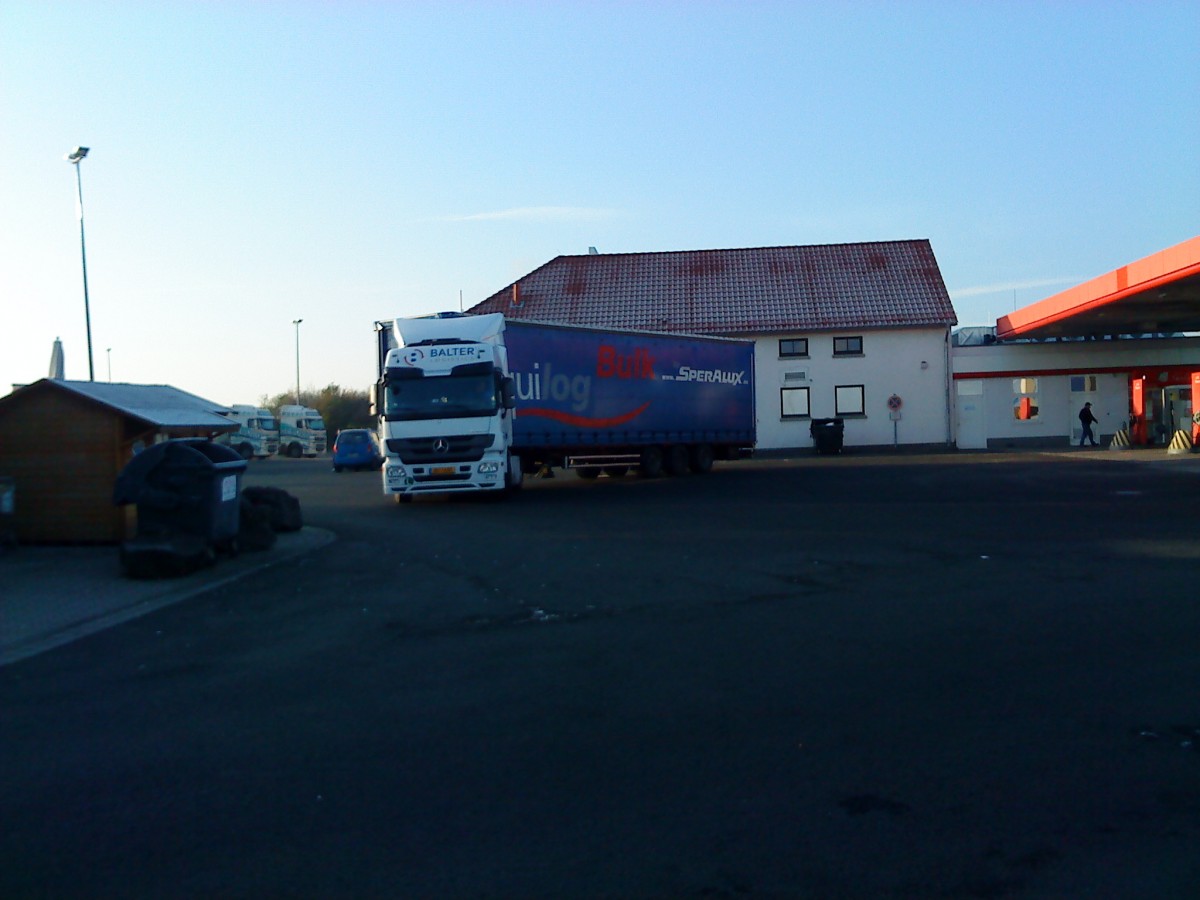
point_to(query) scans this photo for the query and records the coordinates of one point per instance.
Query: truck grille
(457, 476)
(455, 448)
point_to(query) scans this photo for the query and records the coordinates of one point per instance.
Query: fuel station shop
(1124, 342)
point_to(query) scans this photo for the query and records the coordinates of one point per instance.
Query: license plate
(443, 470)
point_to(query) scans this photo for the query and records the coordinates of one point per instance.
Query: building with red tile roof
(841, 330)
(893, 284)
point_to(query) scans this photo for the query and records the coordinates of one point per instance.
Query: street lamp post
(297, 322)
(75, 157)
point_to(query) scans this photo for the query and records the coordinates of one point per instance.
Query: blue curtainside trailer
(583, 390)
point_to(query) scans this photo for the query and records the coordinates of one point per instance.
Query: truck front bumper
(481, 475)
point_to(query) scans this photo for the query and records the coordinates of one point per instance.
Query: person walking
(1086, 419)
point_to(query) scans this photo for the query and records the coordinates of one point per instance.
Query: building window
(793, 347)
(793, 402)
(1083, 384)
(1025, 399)
(847, 346)
(849, 400)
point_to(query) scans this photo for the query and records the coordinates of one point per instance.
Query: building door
(1177, 410)
(971, 431)
(1084, 389)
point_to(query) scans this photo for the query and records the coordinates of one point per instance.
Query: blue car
(356, 448)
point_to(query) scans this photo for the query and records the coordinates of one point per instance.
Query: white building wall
(1058, 409)
(995, 368)
(912, 363)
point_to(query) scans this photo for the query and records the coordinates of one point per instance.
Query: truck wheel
(616, 471)
(245, 451)
(676, 462)
(588, 473)
(294, 451)
(402, 498)
(515, 476)
(651, 465)
(702, 459)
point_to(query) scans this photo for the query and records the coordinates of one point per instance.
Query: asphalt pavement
(53, 595)
(869, 675)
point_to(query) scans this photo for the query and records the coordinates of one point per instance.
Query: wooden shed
(65, 442)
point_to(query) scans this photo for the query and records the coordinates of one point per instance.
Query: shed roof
(730, 292)
(159, 405)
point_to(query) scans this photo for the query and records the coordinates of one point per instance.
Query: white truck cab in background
(301, 431)
(258, 431)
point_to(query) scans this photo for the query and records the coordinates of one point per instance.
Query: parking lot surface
(863, 676)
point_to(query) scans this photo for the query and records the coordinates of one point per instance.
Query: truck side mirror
(508, 393)
(374, 399)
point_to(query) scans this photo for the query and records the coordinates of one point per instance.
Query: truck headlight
(395, 473)
(489, 468)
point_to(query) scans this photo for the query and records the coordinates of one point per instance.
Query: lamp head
(76, 155)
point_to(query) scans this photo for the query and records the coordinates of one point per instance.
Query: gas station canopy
(1158, 294)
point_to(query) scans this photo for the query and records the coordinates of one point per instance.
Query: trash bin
(188, 486)
(827, 434)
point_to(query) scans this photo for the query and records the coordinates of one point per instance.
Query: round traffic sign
(894, 402)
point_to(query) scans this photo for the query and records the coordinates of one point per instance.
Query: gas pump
(1138, 432)
(1195, 415)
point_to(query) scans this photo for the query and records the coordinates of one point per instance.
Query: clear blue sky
(255, 163)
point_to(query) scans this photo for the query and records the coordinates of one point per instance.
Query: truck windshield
(264, 424)
(441, 397)
(312, 424)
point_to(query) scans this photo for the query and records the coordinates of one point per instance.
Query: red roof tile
(764, 289)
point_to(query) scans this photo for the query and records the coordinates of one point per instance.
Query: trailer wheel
(702, 459)
(676, 462)
(616, 471)
(651, 465)
(588, 473)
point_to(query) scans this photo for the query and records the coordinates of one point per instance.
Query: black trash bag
(282, 508)
(255, 532)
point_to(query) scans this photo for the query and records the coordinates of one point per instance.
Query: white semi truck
(301, 431)
(258, 432)
(472, 402)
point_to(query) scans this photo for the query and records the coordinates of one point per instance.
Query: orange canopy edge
(1147, 274)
